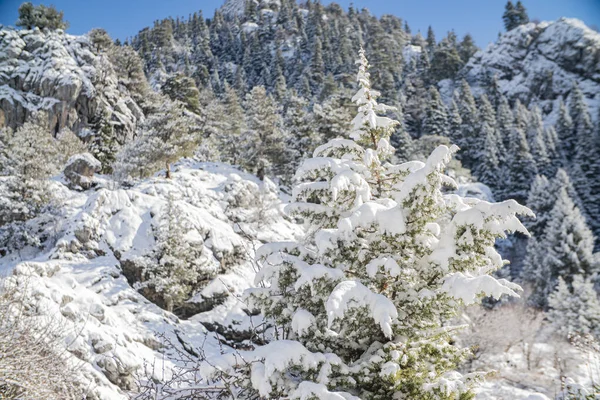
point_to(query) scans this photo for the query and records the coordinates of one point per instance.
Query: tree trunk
(168, 172)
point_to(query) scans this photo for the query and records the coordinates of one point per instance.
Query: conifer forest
(292, 199)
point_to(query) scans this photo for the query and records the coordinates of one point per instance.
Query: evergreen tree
(264, 140)
(431, 42)
(350, 299)
(400, 138)
(211, 127)
(130, 70)
(454, 122)
(510, 16)
(28, 158)
(567, 248)
(468, 131)
(551, 142)
(436, 116)
(467, 48)
(537, 144)
(585, 165)
(521, 13)
(303, 138)
(541, 200)
(331, 118)
(68, 144)
(182, 88)
(41, 17)
(575, 310)
(505, 121)
(519, 168)
(104, 146)
(446, 61)
(582, 125)
(100, 39)
(165, 136)
(487, 167)
(229, 140)
(176, 267)
(564, 130)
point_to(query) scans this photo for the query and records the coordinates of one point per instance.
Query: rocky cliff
(539, 63)
(66, 77)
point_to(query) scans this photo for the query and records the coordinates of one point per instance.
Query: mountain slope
(539, 62)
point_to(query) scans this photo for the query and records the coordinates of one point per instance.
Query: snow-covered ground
(113, 330)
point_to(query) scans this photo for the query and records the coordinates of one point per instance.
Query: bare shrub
(570, 390)
(186, 381)
(503, 328)
(33, 360)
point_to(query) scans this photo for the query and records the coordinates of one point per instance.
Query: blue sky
(481, 18)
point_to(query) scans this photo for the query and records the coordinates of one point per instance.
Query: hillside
(80, 277)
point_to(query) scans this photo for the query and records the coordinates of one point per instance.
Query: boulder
(80, 170)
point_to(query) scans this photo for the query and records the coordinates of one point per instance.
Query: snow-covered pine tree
(488, 146)
(182, 88)
(436, 116)
(510, 16)
(521, 13)
(263, 142)
(68, 144)
(359, 303)
(537, 145)
(331, 118)
(446, 60)
(468, 134)
(552, 149)
(167, 135)
(229, 138)
(505, 123)
(467, 48)
(575, 310)
(585, 164)
(104, 145)
(519, 168)
(564, 130)
(303, 138)
(29, 157)
(400, 139)
(176, 267)
(454, 119)
(566, 248)
(540, 201)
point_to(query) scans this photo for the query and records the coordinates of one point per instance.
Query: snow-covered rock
(114, 333)
(63, 75)
(80, 169)
(233, 8)
(411, 51)
(540, 62)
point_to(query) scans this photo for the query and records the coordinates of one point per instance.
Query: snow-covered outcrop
(540, 62)
(79, 280)
(63, 75)
(233, 8)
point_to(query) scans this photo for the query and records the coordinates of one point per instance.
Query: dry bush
(33, 358)
(186, 381)
(511, 325)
